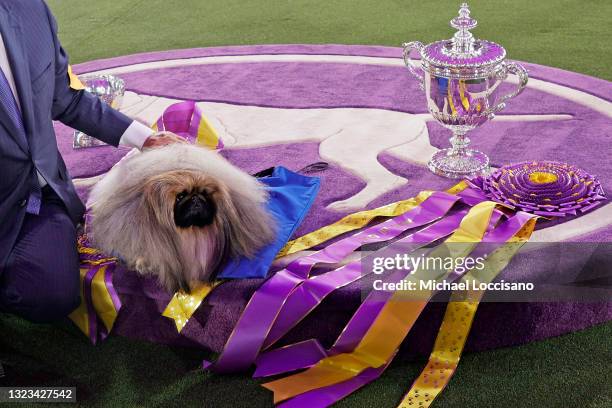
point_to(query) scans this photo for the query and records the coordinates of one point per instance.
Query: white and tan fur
(132, 214)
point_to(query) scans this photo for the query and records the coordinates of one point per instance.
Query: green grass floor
(569, 371)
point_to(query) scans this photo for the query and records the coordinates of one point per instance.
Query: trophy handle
(513, 68)
(414, 69)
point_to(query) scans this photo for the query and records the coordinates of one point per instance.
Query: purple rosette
(547, 188)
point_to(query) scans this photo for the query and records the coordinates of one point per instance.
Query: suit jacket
(39, 65)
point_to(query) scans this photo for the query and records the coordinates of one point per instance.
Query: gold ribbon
(102, 302)
(183, 305)
(207, 136)
(392, 324)
(79, 315)
(75, 82)
(358, 220)
(457, 322)
(101, 299)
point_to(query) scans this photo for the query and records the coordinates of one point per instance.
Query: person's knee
(47, 307)
(44, 295)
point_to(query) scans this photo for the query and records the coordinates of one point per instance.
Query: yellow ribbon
(207, 136)
(358, 220)
(75, 82)
(79, 315)
(102, 302)
(457, 322)
(183, 305)
(462, 98)
(392, 324)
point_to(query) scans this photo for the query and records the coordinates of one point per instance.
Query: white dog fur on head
(179, 212)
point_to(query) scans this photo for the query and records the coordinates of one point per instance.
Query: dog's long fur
(132, 214)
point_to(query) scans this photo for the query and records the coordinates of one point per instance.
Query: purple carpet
(583, 138)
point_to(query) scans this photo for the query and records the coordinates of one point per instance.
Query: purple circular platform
(572, 124)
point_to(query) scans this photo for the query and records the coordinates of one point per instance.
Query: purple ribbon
(326, 396)
(313, 291)
(108, 281)
(273, 362)
(246, 341)
(183, 118)
(94, 261)
(97, 329)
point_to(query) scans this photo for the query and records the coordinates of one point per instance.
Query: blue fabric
(291, 196)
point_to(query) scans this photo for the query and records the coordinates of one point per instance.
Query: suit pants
(41, 279)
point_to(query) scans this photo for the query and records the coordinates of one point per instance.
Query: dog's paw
(348, 205)
(371, 191)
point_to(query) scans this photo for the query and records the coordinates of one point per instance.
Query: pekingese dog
(179, 212)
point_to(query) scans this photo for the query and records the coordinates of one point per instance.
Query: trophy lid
(463, 50)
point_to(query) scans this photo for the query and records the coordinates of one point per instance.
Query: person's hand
(162, 138)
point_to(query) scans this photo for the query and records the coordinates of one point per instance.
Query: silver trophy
(110, 89)
(460, 78)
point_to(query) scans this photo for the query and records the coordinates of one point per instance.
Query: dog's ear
(248, 225)
(158, 197)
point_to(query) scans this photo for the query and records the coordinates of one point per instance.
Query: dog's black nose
(196, 210)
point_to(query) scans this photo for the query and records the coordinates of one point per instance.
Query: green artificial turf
(572, 370)
(573, 35)
(569, 371)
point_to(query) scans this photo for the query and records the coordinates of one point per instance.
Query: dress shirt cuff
(135, 135)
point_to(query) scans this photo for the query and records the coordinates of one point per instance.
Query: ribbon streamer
(326, 396)
(245, 342)
(298, 306)
(392, 324)
(459, 316)
(100, 302)
(313, 291)
(355, 221)
(275, 362)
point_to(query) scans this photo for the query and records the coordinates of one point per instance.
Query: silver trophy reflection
(110, 89)
(460, 78)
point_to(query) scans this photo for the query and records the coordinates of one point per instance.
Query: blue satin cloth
(291, 195)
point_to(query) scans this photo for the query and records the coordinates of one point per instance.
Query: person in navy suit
(39, 207)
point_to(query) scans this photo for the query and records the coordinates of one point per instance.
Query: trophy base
(81, 140)
(447, 163)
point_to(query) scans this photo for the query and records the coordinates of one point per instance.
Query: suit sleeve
(80, 109)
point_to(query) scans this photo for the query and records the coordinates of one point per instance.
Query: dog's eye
(180, 196)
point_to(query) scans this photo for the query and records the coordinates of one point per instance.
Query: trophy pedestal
(470, 163)
(461, 78)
